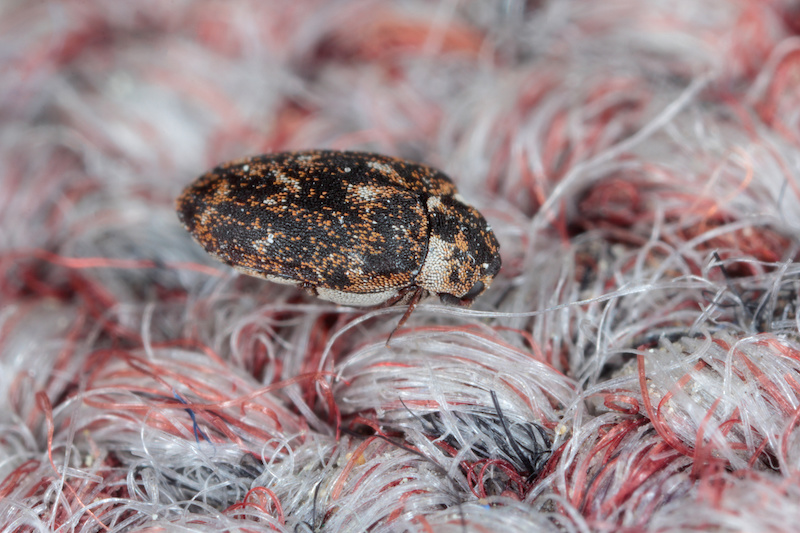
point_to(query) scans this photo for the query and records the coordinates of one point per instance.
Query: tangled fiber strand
(634, 367)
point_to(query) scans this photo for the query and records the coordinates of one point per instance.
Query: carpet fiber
(635, 365)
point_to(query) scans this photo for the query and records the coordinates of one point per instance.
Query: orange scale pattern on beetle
(352, 222)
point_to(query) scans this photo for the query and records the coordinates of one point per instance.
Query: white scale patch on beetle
(354, 299)
(292, 184)
(383, 168)
(435, 270)
(261, 243)
(405, 233)
(356, 259)
(364, 193)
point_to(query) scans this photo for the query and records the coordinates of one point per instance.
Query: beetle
(354, 228)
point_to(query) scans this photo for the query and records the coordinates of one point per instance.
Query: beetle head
(463, 257)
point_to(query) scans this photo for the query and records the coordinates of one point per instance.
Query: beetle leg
(309, 288)
(412, 304)
(401, 295)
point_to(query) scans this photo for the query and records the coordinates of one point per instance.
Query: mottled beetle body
(353, 228)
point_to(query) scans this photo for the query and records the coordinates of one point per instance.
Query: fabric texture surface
(634, 366)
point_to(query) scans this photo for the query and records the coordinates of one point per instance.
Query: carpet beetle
(353, 228)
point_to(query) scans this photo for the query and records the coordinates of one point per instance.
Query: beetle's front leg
(308, 288)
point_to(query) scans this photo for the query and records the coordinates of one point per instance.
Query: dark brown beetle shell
(354, 228)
